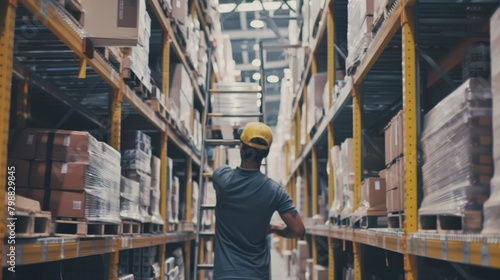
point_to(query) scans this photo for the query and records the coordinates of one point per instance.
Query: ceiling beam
(251, 34)
(269, 65)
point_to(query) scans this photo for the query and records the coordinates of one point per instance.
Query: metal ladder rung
(208, 174)
(205, 266)
(208, 206)
(223, 142)
(207, 234)
(220, 115)
(221, 91)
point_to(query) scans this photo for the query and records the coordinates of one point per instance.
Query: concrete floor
(279, 269)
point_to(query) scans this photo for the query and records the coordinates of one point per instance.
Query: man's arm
(294, 226)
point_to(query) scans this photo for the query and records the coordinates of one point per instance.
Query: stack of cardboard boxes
(394, 160)
(136, 165)
(70, 173)
(174, 266)
(359, 28)
(181, 97)
(492, 206)
(458, 130)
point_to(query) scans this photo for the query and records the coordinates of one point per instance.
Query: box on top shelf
(113, 22)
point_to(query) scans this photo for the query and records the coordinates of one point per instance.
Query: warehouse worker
(246, 201)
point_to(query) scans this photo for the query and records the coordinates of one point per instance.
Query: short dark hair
(253, 154)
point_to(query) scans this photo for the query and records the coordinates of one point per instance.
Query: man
(246, 201)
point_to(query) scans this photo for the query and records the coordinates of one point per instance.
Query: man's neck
(250, 165)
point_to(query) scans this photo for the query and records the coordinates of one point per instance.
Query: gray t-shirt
(246, 201)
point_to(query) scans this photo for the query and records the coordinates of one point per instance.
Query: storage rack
(78, 67)
(379, 79)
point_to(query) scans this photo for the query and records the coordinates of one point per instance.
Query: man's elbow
(299, 232)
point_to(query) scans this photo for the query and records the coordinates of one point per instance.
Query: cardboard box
(394, 139)
(320, 273)
(22, 143)
(394, 200)
(180, 11)
(21, 172)
(373, 191)
(61, 176)
(302, 249)
(59, 203)
(113, 22)
(65, 146)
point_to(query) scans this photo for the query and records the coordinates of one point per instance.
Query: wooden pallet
(470, 222)
(82, 227)
(395, 220)
(159, 109)
(152, 228)
(373, 220)
(335, 221)
(135, 84)
(74, 8)
(185, 226)
(31, 224)
(130, 227)
(382, 13)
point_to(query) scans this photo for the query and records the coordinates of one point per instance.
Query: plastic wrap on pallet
(455, 138)
(174, 214)
(179, 261)
(492, 206)
(346, 159)
(359, 28)
(338, 185)
(154, 207)
(129, 203)
(194, 204)
(136, 160)
(102, 183)
(136, 140)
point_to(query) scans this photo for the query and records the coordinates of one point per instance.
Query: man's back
(246, 200)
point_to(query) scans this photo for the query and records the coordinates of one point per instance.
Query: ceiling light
(256, 76)
(273, 79)
(256, 6)
(257, 23)
(226, 8)
(256, 47)
(259, 95)
(259, 103)
(256, 62)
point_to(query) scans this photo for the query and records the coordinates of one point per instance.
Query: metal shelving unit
(391, 60)
(82, 67)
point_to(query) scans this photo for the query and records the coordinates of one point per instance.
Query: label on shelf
(466, 252)
(485, 255)
(444, 249)
(64, 168)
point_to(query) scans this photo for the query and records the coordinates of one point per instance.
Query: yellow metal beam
(7, 25)
(331, 260)
(357, 137)
(82, 69)
(356, 247)
(410, 136)
(116, 116)
(305, 115)
(314, 250)
(22, 103)
(305, 180)
(163, 195)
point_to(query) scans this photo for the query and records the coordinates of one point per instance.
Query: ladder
(202, 235)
